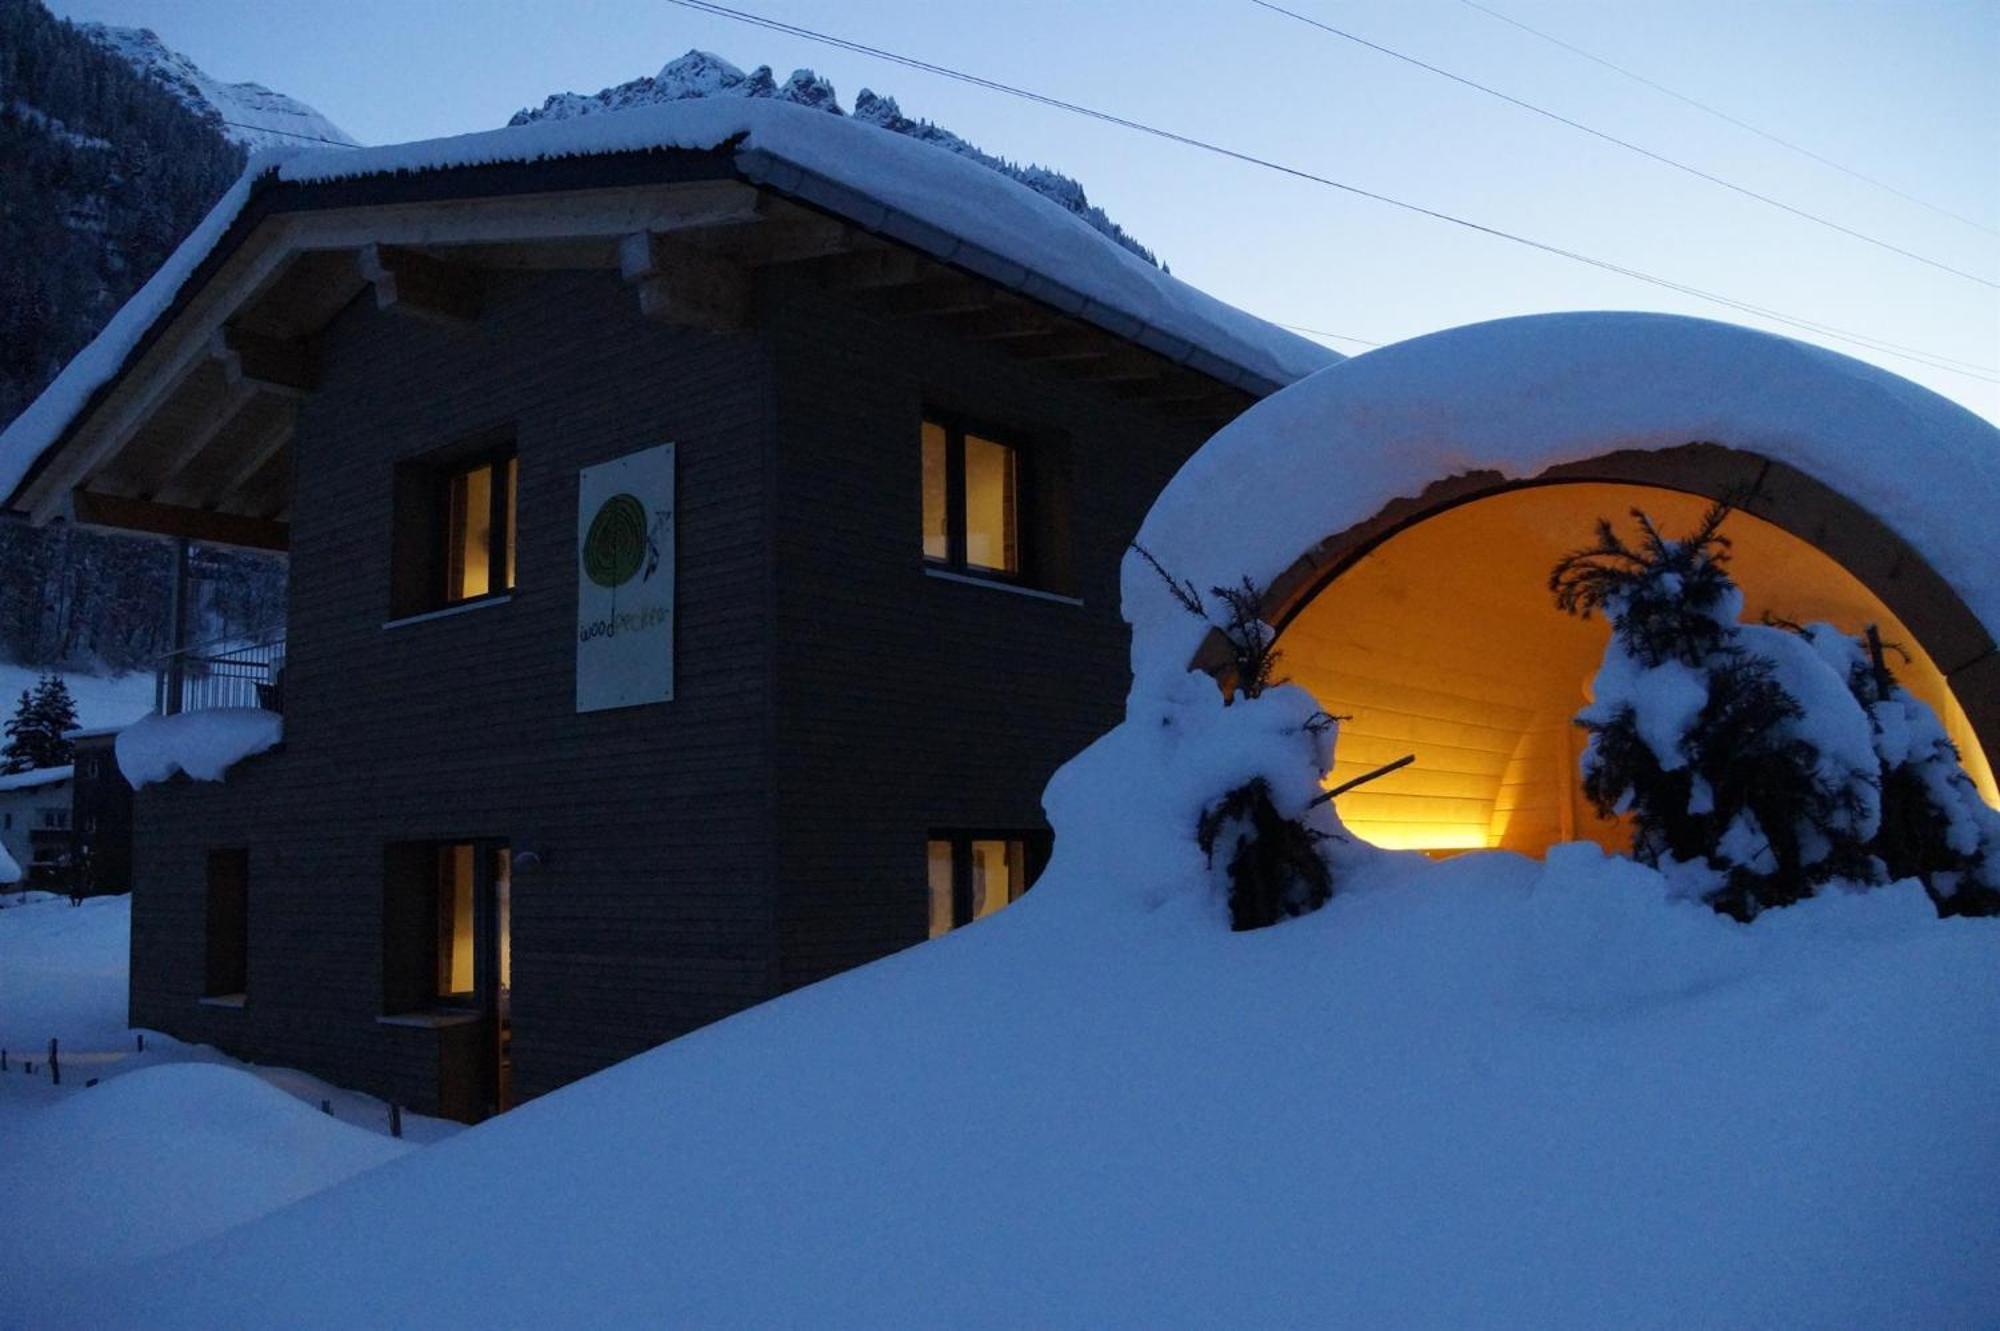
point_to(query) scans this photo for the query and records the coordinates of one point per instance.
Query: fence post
(395, 1120)
(55, 1068)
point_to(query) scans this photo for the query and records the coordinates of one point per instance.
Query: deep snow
(1484, 1091)
(1518, 396)
(174, 1144)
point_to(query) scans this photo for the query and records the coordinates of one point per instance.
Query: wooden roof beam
(413, 283)
(1123, 366)
(262, 447)
(680, 284)
(285, 366)
(91, 509)
(934, 296)
(865, 270)
(1006, 320)
(226, 411)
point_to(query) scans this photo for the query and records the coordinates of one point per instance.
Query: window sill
(974, 580)
(233, 1001)
(429, 1020)
(462, 608)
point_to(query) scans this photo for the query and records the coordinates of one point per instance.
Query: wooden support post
(55, 1064)
(177, 624)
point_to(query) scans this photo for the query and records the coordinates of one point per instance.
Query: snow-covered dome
(1520, 396)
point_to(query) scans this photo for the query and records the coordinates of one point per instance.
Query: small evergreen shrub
(1934, 826)
(1746, 772)
(1272, 859)
(35, 731)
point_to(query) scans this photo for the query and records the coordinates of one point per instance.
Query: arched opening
(1442, 640)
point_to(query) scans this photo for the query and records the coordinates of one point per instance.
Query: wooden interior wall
(1444, 642)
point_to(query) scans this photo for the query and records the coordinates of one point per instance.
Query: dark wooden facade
(100, 819)
(835, 701)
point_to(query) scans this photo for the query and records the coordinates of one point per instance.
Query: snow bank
(152, 1161)
(1484, 1091)
(1519, 396)
(202, 744)
(946, 191)
(63, 972)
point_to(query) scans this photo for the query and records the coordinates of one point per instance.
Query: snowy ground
(101, 700)
(1478, 1092)
(172, 1145)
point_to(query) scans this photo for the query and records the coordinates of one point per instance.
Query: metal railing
(236, 673)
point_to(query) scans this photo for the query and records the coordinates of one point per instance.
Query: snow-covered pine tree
(1742, 759)
(1934, 828)
(35, 731)
(1272, 858)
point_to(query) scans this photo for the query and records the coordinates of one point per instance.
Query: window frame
(420, 528)
(956, 427)
(226, 931)
(503, 517)
(1036, 846)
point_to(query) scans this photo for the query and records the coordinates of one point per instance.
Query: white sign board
(625, 581)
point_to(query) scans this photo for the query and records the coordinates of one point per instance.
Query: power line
(1337, 337)
(1744, 125)
(1626, 144)
(290, 134)
(1932, 359)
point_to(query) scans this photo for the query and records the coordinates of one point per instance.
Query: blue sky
(1903, 92)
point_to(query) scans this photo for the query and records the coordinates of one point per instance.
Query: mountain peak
(705, 74)
(249, 114)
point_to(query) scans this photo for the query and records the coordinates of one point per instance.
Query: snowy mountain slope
(702, 74)
(1478, 1092)
(246, 113)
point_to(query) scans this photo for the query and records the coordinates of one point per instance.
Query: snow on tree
(1745, 764)
(35, 731)
(1934, 827)
(1270, 854)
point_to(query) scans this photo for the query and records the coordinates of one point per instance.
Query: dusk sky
(1903, 93)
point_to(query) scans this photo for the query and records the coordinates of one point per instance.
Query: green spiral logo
(615, 546)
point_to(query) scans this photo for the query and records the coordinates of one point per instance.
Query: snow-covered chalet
(704, 528)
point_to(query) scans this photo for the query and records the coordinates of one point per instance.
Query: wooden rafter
(91, 509)
(410, 282)
(680, 284)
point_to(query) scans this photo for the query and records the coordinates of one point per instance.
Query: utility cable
(1932, 359)
(1724, 116)
(1626, 144)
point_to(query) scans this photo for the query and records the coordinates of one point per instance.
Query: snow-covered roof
(36, 778)
(944, 205)
(1519, 396)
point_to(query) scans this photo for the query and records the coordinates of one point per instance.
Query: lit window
(479, 529)
(454, 923)
(972, 501)
(973, 876)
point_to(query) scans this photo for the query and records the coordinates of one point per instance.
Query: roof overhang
(191, 434)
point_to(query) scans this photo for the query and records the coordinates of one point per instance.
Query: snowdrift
(150, 1161)
(1483, 1091)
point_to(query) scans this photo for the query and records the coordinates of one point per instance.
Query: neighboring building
(101, 816)
(35, 825)
(587, 741)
